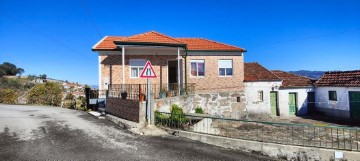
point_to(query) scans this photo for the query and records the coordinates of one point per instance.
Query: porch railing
(138, 91)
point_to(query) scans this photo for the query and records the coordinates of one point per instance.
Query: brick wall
(212, 81)
(111, 68)
(123, 108)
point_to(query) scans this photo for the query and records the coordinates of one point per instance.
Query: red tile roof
(107, 43)
(152, 37)
(204, 44)
(293, 80)
(254, 72)
(340, 79)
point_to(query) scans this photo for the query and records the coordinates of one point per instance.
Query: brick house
(205, 64)
(338, 94)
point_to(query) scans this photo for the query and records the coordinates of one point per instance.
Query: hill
(309, 74)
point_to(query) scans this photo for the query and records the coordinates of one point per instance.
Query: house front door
(292, 103)
(173, 75)
(354, 98)
(274, 104)
(311, 102)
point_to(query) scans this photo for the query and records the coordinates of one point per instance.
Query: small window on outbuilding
(260, 96)
(332, 96)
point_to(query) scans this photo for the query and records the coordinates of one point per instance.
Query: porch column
(123, 63)
(178, 59)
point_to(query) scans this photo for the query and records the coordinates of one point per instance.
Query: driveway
(54, 133)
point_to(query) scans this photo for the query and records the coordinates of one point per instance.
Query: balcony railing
(139, 91)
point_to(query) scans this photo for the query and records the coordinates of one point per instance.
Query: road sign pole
(148, 101)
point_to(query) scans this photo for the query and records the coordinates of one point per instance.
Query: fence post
(141, 98)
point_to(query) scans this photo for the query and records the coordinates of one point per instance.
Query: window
(225, 68)
(260, 95)
(197, 68)
(332, 96)
(136, 66)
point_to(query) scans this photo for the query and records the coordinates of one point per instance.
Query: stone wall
(123, 108)
(223, 104)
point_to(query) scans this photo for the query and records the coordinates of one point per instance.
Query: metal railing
(308, 135)
(97, 94)
(138, 91)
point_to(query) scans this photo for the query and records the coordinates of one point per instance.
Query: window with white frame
(260, 96)
(197, 68)
(225, 67)
(136, 66)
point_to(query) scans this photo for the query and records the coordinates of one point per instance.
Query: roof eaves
(94, 47)
(149, 44)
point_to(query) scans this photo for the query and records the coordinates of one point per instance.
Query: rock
(224, 94)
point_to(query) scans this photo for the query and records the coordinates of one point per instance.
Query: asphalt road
(54, 133)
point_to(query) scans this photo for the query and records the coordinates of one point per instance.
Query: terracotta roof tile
(107, 43)
(293, 80)
(340, 79)
(204, 44)
(152, 36)
(254, 72)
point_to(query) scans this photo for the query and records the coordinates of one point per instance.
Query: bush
(177, 115)
(8, 96)
(160, 118)
(69, 96)
(199, 110)
(48, 93)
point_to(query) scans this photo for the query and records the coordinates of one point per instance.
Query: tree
(20, 71)
(49, 93)
(43, 76)
(10, 69)
(2, 72)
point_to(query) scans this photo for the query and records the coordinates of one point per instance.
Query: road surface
(54, 133)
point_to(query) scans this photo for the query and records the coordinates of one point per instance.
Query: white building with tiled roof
(338, 94)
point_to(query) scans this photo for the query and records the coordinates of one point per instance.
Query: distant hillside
(309, 74)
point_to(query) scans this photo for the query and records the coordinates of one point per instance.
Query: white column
(100, 75)
(178, 58)
(123, 63)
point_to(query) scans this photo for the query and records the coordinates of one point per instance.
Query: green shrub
(177, 115)
(8, 96)
(199, 110)
(161, 118)
(48, 93)
(69, 96)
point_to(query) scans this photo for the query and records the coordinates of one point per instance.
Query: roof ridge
(157, 33)
(346, 71)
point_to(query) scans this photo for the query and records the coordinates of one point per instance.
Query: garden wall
(223, 104)
(124, 108)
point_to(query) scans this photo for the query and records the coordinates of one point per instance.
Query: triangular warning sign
(148, 71)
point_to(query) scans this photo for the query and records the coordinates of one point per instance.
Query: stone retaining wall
(224, 104)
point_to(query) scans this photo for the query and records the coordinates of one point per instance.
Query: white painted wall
(342, 103)
(251, 93)
(301, 100)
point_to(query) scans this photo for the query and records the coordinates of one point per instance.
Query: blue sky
(55, 37)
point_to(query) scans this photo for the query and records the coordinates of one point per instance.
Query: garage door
(354, 98)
